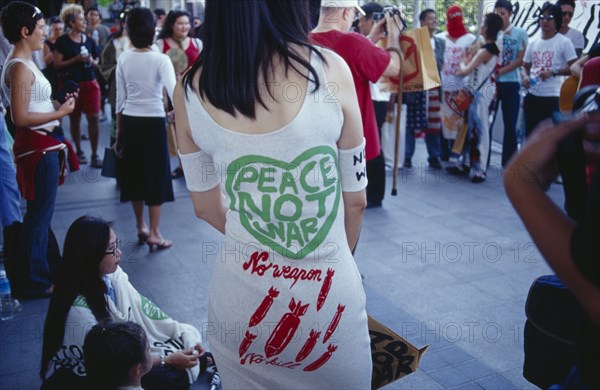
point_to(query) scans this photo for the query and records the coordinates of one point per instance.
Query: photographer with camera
(368, 63)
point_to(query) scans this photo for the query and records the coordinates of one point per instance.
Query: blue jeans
(432, 141)
(35, 278)
(10, 198)
(508, 94)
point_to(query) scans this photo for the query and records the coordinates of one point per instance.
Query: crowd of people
(218, 101)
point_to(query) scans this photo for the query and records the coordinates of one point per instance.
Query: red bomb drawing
(285, 329)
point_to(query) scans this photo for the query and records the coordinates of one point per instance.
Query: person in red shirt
(368, 63)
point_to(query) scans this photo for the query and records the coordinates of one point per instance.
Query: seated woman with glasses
(91, 287)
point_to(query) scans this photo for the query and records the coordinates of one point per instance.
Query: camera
(391, 11)
(586, 100)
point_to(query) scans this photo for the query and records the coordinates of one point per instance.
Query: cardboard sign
(393, 357)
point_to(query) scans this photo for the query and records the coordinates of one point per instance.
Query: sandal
(177, 173)
(142, 237)
(81, 158)
(96, 161)
(458, 170)
(164, 244)
(478, 177)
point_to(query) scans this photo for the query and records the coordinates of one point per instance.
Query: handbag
(465, 96)
(464, 99)
(109, 165)
(553, 319)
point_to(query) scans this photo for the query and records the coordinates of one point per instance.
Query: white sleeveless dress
(287, 306)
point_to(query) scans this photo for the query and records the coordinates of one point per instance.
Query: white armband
(201, 173)
(353, 168)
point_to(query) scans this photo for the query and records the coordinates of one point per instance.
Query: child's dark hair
(110, 350)
(17, 15)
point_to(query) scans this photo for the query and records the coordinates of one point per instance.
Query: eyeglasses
(36, 12)
(547, 17)
(115, 248)
(568, 13)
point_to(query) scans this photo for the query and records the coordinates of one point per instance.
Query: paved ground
(445, 263)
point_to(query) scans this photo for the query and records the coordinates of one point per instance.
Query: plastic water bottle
(84, 52)
(96, 37)
(6, 302)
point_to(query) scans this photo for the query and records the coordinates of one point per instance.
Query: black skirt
(145, 170)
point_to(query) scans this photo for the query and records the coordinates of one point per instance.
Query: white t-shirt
(576, 37)
(452, 57)
(548, 54)
(141, 77)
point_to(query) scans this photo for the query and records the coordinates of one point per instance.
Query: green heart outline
(238, 164)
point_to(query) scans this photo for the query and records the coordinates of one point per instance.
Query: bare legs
(154, 237)
(75, 128)
(93, 126)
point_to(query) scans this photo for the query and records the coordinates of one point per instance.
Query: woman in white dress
(274, 159)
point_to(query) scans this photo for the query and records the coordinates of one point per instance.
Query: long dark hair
(493, 24)
(84, 249)
(172, 16)
(242, 39)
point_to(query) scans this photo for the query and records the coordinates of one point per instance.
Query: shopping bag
(393, 357)
(172, 141)
(109, 163)
(420, 69)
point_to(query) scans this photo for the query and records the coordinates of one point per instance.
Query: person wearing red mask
(458, 40)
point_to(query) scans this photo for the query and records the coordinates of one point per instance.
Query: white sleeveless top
(39, 92)
(286, 299)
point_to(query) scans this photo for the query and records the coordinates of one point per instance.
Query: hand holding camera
(390, 16)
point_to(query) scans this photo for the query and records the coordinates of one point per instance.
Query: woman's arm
(60, 62)
(351, 137)
(482, 56)
(22, 83)
(48, 55)
(208, 205)
(577, 66)
(525, 181)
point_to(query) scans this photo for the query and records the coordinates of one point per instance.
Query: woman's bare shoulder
(336, 69)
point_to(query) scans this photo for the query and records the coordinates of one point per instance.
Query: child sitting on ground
(116, 355)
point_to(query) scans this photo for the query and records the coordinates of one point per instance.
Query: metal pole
(416, 23)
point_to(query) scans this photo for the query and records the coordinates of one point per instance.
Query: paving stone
(474, 369)
(449, 377)
(495, 382)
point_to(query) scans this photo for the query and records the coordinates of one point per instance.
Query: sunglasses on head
(568, 13)
(546, 17)
(36, 12)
